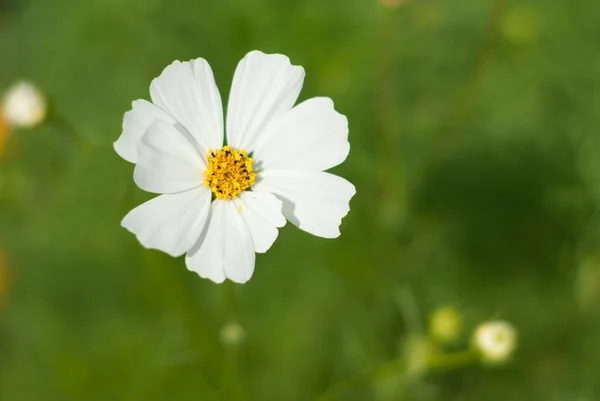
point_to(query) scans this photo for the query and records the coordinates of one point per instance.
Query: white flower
(495, 341)
(24, 106)
(221, 204)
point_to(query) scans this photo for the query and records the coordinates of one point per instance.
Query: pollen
(229, 172)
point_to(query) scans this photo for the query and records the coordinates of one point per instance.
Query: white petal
(264, 86)
(310, 136)
(171, 223)
(225, 249)
(135, 123)
(262, 213)
(168, 162)
(188, 92)
(314, 201)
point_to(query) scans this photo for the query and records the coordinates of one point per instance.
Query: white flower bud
(24, 106)
(495, 341)
(232, 334)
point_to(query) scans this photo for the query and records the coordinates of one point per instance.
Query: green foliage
(474, 132)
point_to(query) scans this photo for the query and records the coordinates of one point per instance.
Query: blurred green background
(475, 153)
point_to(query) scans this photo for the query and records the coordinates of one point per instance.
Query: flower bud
(445, 324)
(24, 106)
(232, 334)
(495, 341)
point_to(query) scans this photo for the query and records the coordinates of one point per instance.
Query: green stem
(396, 367)
(390, 368)
(407, 304)
(58, 120)
(469, 96)
(452, 361)
(202, 339)
(230, 389)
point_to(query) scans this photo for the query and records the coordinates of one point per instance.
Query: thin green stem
(202, 339)
(469, 96)
(453, 360)
(390, 368)
(397, 367)
(230, 389)
(63, 124)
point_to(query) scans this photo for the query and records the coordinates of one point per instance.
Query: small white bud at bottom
(232, 334)
(495, 341)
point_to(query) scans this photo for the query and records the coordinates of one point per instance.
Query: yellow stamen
(229, 172)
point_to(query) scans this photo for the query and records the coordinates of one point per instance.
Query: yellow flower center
(229, 172)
